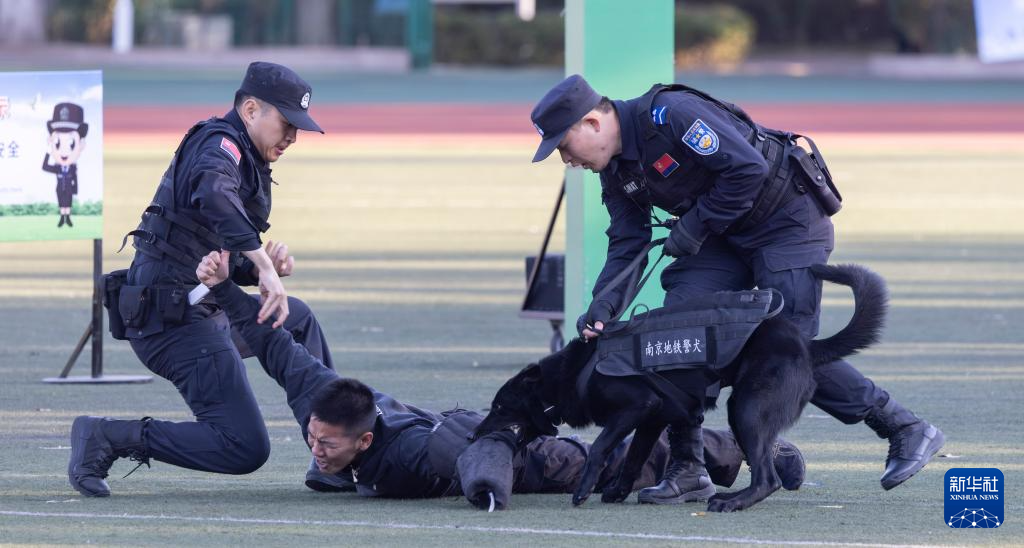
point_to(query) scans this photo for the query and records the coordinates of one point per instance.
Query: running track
(511, 118)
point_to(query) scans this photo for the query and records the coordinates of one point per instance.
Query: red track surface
(476, 118)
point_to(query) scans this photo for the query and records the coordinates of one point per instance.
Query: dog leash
(631, 271)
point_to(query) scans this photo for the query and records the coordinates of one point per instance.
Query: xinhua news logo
(974, 498)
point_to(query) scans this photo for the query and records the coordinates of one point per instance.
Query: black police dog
(772, 380)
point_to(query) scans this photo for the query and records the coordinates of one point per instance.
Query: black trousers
(205, 364)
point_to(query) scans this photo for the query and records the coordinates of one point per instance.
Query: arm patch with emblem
(231, 148)
(701, 138)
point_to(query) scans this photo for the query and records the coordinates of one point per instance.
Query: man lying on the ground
(391, 449)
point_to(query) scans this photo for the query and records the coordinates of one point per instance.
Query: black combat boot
(96, 442)
(686, 479)
(67, 219)
(789, 464)
(912, 441)
(61, 223)
(329, 483)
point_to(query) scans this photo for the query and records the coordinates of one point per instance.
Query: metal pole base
(102, 379)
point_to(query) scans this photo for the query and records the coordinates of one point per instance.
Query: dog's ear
(530, 375)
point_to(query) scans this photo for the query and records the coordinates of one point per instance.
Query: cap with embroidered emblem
(281, 87)
(563, 106)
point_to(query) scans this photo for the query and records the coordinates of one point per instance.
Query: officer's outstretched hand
(213, 269)
(278, 253)
(273, 298)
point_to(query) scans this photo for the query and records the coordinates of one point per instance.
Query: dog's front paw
(613, 494)
(580, 498)
(718, 503)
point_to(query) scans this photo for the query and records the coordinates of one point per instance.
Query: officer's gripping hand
(680, 243)
(591, 323)
(278, 253)
(213, 269)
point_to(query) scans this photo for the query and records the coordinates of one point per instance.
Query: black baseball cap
(563, 106)
(281, 87)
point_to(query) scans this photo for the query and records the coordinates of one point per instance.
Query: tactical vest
(678, 192)
(707, 331)
(178, 235)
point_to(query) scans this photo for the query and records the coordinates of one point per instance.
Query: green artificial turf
(416, 272)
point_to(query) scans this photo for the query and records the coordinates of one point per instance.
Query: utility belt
(792, 172)
(137, 311)
(174, 239)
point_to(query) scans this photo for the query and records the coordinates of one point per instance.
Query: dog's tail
(870, 305)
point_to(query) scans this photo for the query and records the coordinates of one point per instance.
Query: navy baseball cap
(563, 106)
(281, 87)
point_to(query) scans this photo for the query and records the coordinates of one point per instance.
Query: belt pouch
(112, 284)
(134, 304)
(822, 187)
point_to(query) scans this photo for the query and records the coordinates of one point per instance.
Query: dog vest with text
(706, 332)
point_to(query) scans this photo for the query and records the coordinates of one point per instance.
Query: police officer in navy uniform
(753, 209)
(216, 194)
(393, 449)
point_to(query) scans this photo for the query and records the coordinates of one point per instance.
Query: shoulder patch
(658, 115)
(701, 138)
(231, 148)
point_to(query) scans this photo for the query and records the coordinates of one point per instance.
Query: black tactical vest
(678, 192)
(180, 235)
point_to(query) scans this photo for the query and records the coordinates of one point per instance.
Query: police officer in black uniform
(753, 209)
(216, 194)
(392, 449)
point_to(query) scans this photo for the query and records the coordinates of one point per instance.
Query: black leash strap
(631, 271)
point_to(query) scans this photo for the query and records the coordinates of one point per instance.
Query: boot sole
(76, 456)
(691, 496)
(933, 447)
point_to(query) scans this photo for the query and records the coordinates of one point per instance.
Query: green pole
(419, 33)
(621, 48)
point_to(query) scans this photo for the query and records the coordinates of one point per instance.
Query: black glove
(599, 311)
(681, 243)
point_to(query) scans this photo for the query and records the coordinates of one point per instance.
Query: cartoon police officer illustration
(66, 143)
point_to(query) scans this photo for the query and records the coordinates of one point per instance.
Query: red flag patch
(666, 165)
(227, 146)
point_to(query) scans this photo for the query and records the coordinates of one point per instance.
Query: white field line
(477, 529)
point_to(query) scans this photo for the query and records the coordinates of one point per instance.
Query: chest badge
(701, 138)
(633, 186)
(227, 146)
(666, 165)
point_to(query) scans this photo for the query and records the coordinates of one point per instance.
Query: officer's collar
(236, 122)
(630, 152)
